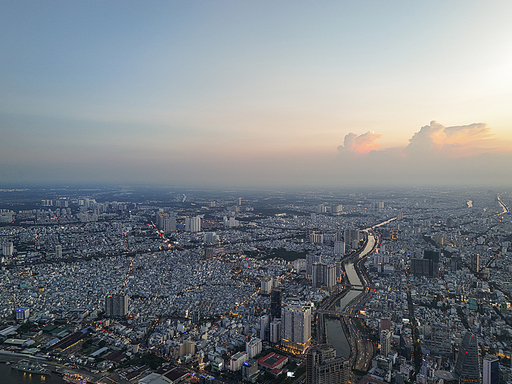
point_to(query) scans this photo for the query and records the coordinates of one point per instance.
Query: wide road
(503, 206)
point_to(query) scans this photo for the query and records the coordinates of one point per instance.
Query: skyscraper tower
(467, 366)
(323, 367)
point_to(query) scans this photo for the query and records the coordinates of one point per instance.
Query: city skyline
(256, 94)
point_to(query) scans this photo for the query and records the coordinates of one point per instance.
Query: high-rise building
(385, 323)
(324, 276)
(378, 205)
(316, 238)
(264, 327)
(467, 366)
(431, 255)
(210, 237)
(58, 251)
(275, 332)
(193, 224)
(275, 304)
(405, 347)
(321, 208)
(336, 209)
(339, 271)
(352, 236)
(231, 222)
(323, 367)
(296, 327)
(475, 262)
(339, 248)
(209, 253)
(438, 239)
(424, 267)
(22, 313)
(253, 347)
(187, 348)
(8, 248)
(299, 265)
(160, 220)
(266, 284)
(318, 274)
(250, 371)
(491, 370)
(385, 342)
(116, 305)
(330, 277)
(169, 224)
(237, 360)
(310, 260)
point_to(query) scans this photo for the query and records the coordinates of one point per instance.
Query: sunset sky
(256, 93)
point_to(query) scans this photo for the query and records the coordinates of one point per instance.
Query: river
(335, 333)
(10, 375)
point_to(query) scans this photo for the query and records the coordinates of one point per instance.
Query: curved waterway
(334, 331)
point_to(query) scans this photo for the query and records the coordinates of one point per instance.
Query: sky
(256, 93)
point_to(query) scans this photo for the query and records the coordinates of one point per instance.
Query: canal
(334, 331)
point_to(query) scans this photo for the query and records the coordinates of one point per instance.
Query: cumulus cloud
(457, 141)
(435, 155)
(364, 143)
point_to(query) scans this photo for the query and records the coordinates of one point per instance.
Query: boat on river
(31, 367)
